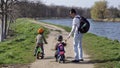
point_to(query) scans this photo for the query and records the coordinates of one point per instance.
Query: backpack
(84, 25)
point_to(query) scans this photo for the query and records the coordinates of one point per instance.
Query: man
(77, 40)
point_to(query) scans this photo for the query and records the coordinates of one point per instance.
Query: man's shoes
(75, 61)
(81, 60)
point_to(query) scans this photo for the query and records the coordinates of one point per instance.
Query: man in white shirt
(77, 40)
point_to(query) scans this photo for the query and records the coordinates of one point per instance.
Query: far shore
(51, 18)
(96, 20)
(107, 20)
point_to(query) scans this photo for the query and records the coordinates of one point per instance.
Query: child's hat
(40, 30)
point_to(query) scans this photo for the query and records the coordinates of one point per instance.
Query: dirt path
(49, 60)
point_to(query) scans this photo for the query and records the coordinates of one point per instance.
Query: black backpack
(84, 25)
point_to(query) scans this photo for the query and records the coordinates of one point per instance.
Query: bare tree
(2, 18)
(38, 10)
(5, 6)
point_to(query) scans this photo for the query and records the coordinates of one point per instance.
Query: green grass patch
(104, 52)
(20, 48)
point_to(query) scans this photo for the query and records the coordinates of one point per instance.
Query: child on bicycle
(40, 39)
(60, 42)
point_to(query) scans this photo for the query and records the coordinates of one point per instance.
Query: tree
(99, 10)
(2, 19)
(113, 12)
(40, 10)
(119, 10)
(5, 7)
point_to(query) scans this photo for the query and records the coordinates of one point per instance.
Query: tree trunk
(5, 27)
(2, 21)
(8, 26)
(1, 39)
(2, 28)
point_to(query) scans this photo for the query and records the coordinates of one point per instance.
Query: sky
(78, 3)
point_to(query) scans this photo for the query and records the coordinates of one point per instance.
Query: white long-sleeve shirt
(75, 25)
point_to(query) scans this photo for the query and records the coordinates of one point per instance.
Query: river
(110, 30)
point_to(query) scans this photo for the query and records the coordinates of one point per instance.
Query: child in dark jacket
(58, 48)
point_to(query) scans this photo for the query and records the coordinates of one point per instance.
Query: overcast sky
(78, 3)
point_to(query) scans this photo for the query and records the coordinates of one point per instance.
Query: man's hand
(68, 37)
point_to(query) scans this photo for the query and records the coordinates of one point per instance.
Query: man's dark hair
(73, 11)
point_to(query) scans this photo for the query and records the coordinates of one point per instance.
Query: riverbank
(104, 52)
(108, 20)
(44, 18)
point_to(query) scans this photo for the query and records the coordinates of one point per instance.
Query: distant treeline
(38, 10)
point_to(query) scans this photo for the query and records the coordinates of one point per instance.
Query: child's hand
(65, 40)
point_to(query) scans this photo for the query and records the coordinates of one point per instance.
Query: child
(59, 39)
(39, 41)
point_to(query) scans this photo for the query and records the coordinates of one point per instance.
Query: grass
(19, 48)
(105, 53)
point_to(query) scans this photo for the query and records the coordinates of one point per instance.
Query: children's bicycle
(60, 54)
(61, 57)
(39, 53)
